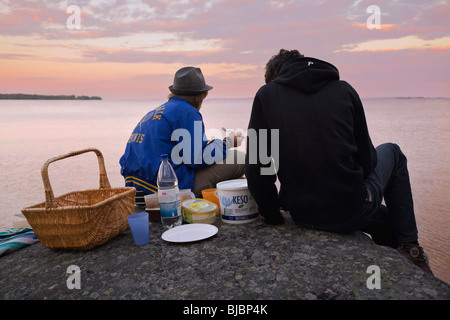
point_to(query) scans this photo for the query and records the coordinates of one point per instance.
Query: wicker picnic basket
(81, 220)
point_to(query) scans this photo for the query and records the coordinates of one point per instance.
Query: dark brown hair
(276, 62)
(194, 100)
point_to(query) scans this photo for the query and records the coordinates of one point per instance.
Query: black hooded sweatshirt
(325, 150)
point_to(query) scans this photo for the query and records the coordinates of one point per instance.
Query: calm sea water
(33, 131)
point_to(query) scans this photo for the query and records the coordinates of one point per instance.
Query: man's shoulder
(266, 88)
(345, 85)
(179, 110)
(179, 106)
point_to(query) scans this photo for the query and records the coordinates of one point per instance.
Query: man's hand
(237, 138)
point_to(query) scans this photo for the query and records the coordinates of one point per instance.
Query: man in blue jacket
(176, 128)
(331, 176)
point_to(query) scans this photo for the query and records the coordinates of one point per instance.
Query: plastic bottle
(168, 195)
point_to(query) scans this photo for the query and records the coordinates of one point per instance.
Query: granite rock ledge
(249, 261)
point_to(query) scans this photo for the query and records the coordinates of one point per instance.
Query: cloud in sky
(131, 48)
(402, 43)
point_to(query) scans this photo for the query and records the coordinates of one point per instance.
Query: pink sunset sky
(130, 49)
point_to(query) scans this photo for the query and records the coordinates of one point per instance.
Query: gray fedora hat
(189, 81)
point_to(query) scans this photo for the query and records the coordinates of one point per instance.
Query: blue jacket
(175, 128)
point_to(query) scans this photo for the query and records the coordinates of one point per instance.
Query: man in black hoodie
(331, 176)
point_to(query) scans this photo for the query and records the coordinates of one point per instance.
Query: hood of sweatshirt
(307, 74)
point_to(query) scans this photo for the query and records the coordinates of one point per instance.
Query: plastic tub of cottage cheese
(237, 205)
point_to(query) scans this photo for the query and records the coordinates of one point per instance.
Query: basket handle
(49, 196)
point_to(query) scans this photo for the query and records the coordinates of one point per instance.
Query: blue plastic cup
(139, 227)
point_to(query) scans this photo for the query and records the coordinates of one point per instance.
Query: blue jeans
(395, 222)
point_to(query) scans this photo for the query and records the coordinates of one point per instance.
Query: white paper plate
(190, 232)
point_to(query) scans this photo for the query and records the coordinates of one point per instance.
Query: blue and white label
(169, 203)
(239, 200)
(237, 206)
(170, 209)
(241, 218)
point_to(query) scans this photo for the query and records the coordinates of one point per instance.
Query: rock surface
(250, 261)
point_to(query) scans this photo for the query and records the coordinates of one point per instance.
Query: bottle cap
(164, 157)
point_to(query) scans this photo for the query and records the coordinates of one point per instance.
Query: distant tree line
(21, 96)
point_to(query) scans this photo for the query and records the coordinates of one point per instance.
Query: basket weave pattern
(81, 220)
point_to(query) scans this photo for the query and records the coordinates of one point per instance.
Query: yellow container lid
(199, 206)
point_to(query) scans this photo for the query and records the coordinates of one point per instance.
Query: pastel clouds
(402, 43)
(131, 48)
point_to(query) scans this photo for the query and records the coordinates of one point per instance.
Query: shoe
(416, 255)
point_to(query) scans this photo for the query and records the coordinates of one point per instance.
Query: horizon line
(208, 98)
